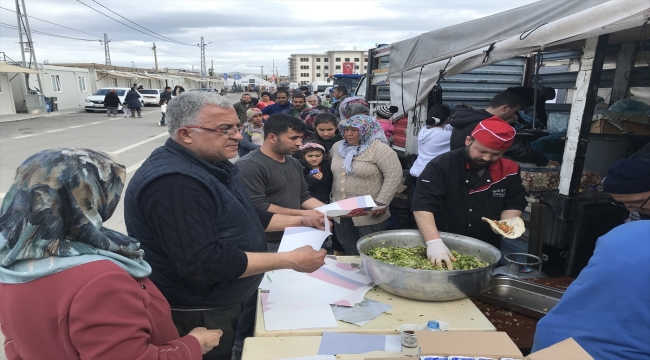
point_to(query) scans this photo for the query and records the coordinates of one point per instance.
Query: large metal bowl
(428, 285)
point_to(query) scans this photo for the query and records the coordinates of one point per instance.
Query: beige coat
(376, 172)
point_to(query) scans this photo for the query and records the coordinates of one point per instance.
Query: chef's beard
(475, 164)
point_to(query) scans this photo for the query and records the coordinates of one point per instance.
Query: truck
(582, 49)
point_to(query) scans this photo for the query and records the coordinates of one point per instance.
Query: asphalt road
(132, 140)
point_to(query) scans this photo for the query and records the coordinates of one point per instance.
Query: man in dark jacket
(527, 96)
(281, 106)
(504, 105)
(201, 234)
(340, 93)
(166, 95)
(112, 103)
(242, 106)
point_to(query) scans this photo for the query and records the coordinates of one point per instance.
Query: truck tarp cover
(415, 63)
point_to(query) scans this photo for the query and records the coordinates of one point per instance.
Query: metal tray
(524, 297)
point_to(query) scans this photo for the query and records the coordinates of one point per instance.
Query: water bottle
(433, 326)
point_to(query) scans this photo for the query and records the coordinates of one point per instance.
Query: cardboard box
(605, 127)
(494, 345)
(490, 344)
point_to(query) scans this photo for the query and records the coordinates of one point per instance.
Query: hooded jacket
(465, 120)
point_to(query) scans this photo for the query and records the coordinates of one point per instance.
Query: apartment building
(307, 68)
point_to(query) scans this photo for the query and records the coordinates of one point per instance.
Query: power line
(44, 33)
(49, 22)
(73, 38)
(129, 26)
(151, 31)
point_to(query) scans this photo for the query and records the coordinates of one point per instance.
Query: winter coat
(91, 311)
(133, 99)
(465, 120)
(111, 100)
(165, 96)
(319, 189)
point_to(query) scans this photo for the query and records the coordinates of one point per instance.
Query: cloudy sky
(243, 35)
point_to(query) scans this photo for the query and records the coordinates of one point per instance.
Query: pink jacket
(388, 128)
(91, 311)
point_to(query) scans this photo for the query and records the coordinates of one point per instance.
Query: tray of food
(524, 297)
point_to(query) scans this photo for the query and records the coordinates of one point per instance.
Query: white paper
(335, 283)
(296, 237)
(297, 316)
(315, 357)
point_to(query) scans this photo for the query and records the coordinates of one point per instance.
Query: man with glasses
(281, 106)
(202, 236)
(606, 308)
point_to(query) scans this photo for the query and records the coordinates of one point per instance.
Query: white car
(95, 102)
(150, 96)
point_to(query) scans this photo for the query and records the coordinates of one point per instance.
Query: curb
(30, 116)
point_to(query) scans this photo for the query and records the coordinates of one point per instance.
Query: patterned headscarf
(369, 131)
(252, 112)
(361, 105)
(57, 205)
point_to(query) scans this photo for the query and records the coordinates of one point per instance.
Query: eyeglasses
(228, 132)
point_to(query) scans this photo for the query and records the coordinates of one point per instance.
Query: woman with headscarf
(265, 100)
(252, 132)
(353, 105)
(71, 288)
(363, 164)
(133, 100)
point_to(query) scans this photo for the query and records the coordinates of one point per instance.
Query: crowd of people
(202, 230)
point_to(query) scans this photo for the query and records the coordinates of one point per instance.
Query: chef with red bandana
(457, 188)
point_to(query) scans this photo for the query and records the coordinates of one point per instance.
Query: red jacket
(91, 311)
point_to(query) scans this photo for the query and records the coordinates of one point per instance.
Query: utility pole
(26, 47)
(262, 72)
(211, 67)
(202, 58)
(155, 56)
(107, 51)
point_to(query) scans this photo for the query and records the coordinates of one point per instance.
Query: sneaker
(159, 124)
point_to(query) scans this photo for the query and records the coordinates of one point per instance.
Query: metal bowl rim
(430, 272)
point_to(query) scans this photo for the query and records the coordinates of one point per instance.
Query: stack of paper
(335, 283)
(345, 207)
(302, 301)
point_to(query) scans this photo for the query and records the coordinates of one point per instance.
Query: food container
(428, 285)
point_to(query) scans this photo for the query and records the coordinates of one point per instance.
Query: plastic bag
(629, 106)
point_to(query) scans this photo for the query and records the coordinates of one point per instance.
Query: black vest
(237, 225)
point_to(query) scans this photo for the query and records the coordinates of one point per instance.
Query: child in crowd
(384, 113)
(318, 174)
(163, 110)
(327, 132)
(126, 109)
(252, 132)
(328, 101)
(433, 139)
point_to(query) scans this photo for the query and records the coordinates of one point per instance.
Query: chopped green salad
(416, 258)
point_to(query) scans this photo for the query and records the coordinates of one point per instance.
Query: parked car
(95, 102)
(150, 96)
